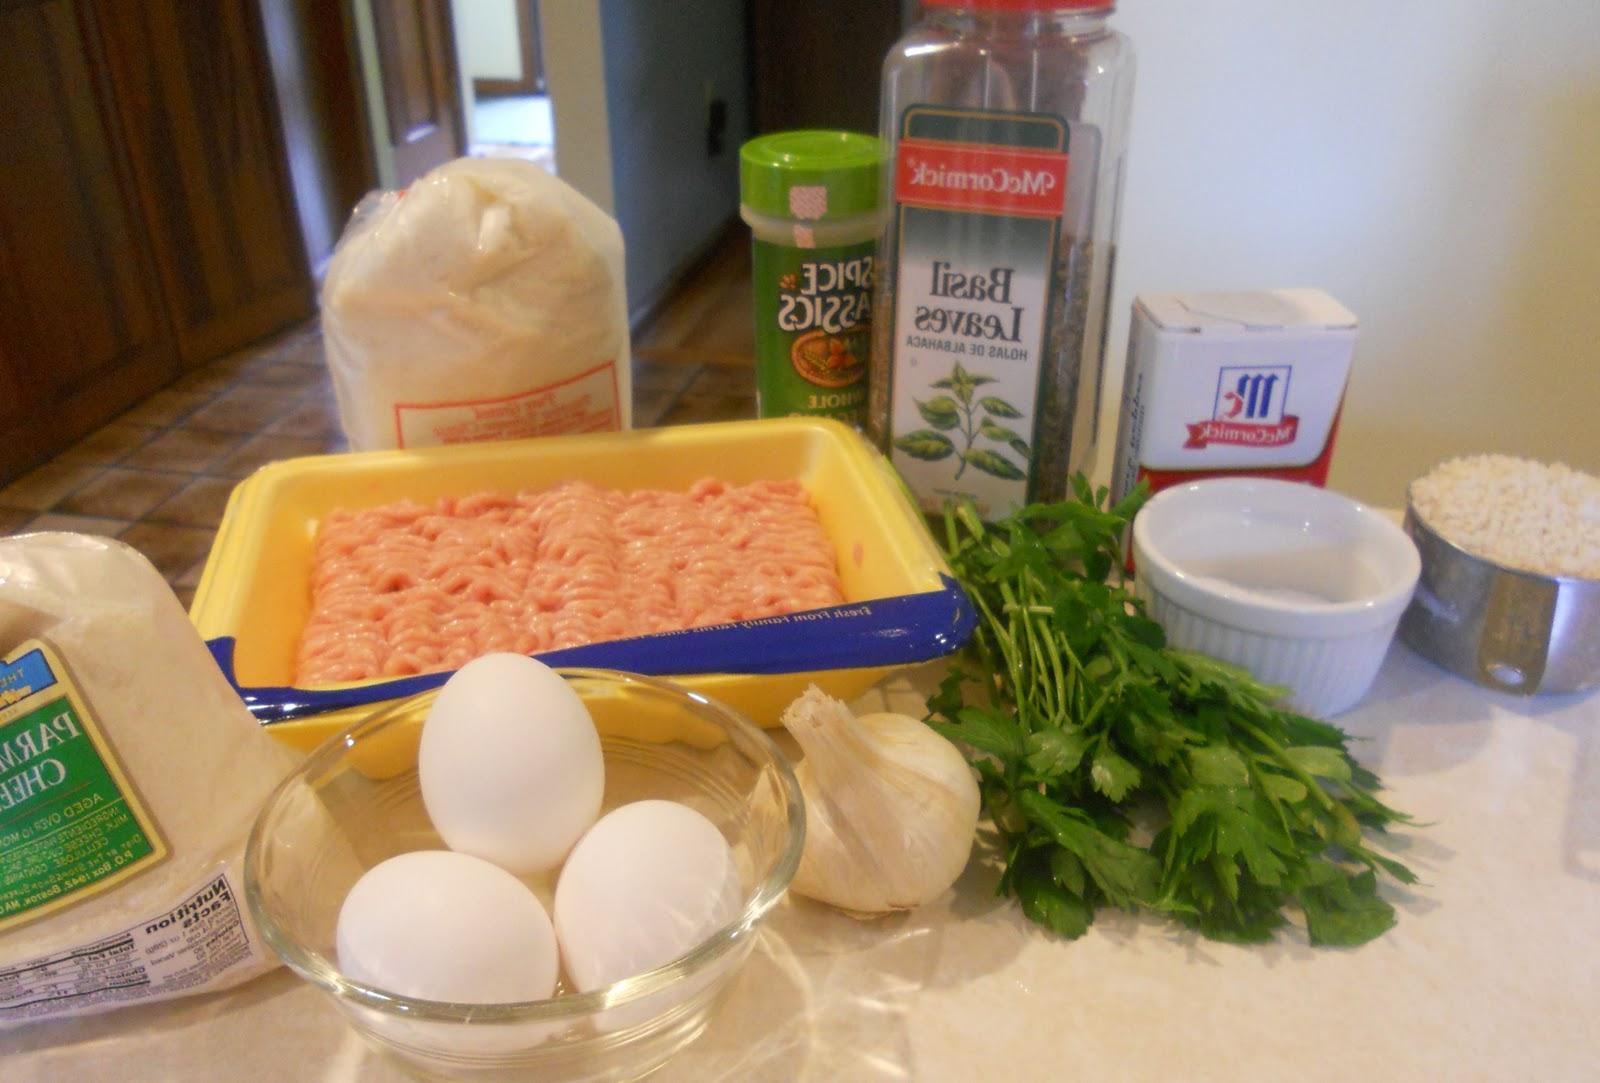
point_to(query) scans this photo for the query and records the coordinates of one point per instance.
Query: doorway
(504, 88)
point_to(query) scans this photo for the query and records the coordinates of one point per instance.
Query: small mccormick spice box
(1232, 383)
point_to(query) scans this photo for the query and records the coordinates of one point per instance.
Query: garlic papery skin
(891, 807)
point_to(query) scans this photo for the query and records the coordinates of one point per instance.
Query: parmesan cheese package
(484, 302)
(130, 774)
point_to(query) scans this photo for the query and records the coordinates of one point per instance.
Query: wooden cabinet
(194, 94)
(146, 224)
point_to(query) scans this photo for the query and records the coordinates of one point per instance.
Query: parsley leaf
(1346, 910)
(1050, 903)
(1054, 752)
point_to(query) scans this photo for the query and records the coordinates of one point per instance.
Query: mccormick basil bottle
(1004, 122)
(811, 200)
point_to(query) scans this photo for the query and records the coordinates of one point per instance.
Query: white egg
(439, 925)
(645, 884)
(510, 763)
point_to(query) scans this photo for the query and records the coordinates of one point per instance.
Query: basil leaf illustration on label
(998, 432)
(998, 407)
(994, 463)
(927, 445)
(942, 413)
(961, 383)
(967, 421)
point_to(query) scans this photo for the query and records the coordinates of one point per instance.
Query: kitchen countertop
(1493, 971)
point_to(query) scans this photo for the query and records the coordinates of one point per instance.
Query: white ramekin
(1301, 586)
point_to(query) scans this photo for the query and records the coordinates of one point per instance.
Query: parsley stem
(987, 644)
(1008, 645)
(1063, 687)
(1099, 705)
(1281, 755)
(1036, 651)
(1047, 707)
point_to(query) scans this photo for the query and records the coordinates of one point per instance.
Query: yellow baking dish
(254, 596)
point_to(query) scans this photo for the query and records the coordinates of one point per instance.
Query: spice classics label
(980, 196)
(71, 824)
(813, 329)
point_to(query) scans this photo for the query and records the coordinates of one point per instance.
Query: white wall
(487, 43)
(574, 72)
(630, 82)
(664, 64)
(1434, 164)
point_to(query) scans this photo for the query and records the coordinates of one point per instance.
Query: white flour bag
(484, 302)
(130, 775)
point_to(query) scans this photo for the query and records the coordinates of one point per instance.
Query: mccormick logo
(971, 177)
(1248, 410)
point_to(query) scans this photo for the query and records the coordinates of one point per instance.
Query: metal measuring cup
(1504, 628)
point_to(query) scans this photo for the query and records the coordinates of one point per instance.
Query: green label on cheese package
(71, 824)
(813, 328)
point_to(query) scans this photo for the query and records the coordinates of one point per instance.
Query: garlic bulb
(891, 807)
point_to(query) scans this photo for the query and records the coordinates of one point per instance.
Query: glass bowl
(356, 802)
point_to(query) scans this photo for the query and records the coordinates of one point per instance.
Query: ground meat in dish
(407, 588)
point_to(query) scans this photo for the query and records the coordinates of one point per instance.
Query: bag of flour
(484, 302)
(130, 775)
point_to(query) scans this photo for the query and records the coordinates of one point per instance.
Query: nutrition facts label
(185, 949)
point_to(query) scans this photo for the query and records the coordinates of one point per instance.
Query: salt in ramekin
(1301, 586)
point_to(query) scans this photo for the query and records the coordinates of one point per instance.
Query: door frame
(575, 78)
(370, 79)
(533, 80)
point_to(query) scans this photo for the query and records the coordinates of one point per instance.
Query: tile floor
(159, 476)
(526, 119)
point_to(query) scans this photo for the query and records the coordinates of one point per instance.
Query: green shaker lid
(846, 164)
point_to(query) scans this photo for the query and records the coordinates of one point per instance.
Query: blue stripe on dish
(902, 630)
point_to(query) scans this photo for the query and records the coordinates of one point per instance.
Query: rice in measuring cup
(1537, 517)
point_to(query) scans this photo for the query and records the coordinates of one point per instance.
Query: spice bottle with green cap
(811, 201)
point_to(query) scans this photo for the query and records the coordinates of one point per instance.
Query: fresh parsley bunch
(1121, 771)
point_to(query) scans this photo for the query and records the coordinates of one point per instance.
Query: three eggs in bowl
(409, 868)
